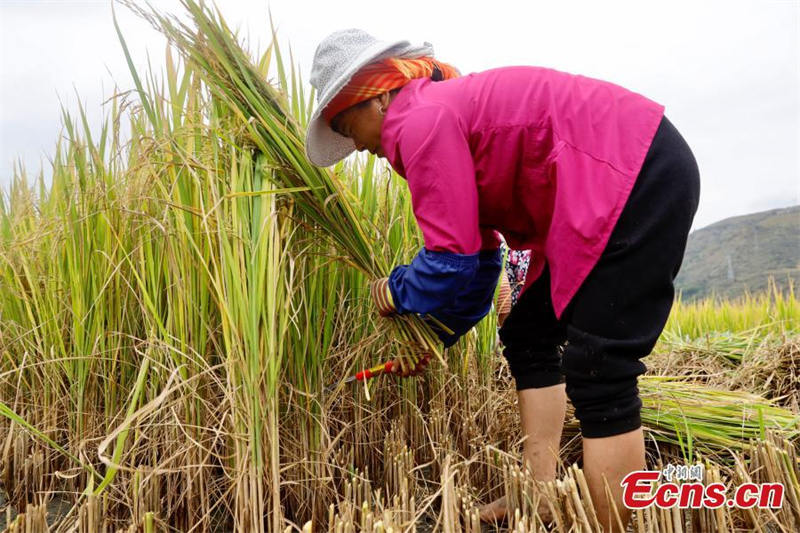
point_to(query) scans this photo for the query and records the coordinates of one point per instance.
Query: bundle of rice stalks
(708, 420)
(775, 373)
(269, 121)
(767, 364)
(727, 346)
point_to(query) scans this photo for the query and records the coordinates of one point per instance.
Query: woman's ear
(384, 99)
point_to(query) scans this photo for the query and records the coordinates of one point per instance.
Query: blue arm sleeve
(474, 302)
(432, 281)
(456, 289)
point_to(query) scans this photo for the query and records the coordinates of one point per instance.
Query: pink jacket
(543, 157)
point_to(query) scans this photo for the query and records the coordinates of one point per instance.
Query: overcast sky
(728, 72)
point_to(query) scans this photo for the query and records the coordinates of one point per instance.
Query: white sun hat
(338, 57)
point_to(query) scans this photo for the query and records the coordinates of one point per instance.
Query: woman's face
(362, 123)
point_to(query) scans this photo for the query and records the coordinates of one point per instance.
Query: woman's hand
(382, 297)
(417, 369)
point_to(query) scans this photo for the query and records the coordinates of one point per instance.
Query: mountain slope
(741, 253)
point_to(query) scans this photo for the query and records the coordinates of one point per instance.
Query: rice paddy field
(176, 304)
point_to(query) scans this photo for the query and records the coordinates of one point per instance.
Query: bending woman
(591, 177)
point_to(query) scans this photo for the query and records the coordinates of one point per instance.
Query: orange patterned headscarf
(383, 76)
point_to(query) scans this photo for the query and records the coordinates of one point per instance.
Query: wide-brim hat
(338, 57)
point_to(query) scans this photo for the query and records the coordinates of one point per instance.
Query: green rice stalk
(268, 123)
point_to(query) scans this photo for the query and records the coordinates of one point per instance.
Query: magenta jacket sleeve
(441, 177)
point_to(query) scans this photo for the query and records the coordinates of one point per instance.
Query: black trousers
(619, 311)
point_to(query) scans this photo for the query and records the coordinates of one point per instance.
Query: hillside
(742, 253)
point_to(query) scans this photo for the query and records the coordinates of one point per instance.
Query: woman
(589, 176)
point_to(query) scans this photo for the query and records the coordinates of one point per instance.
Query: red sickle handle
(374, 371)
